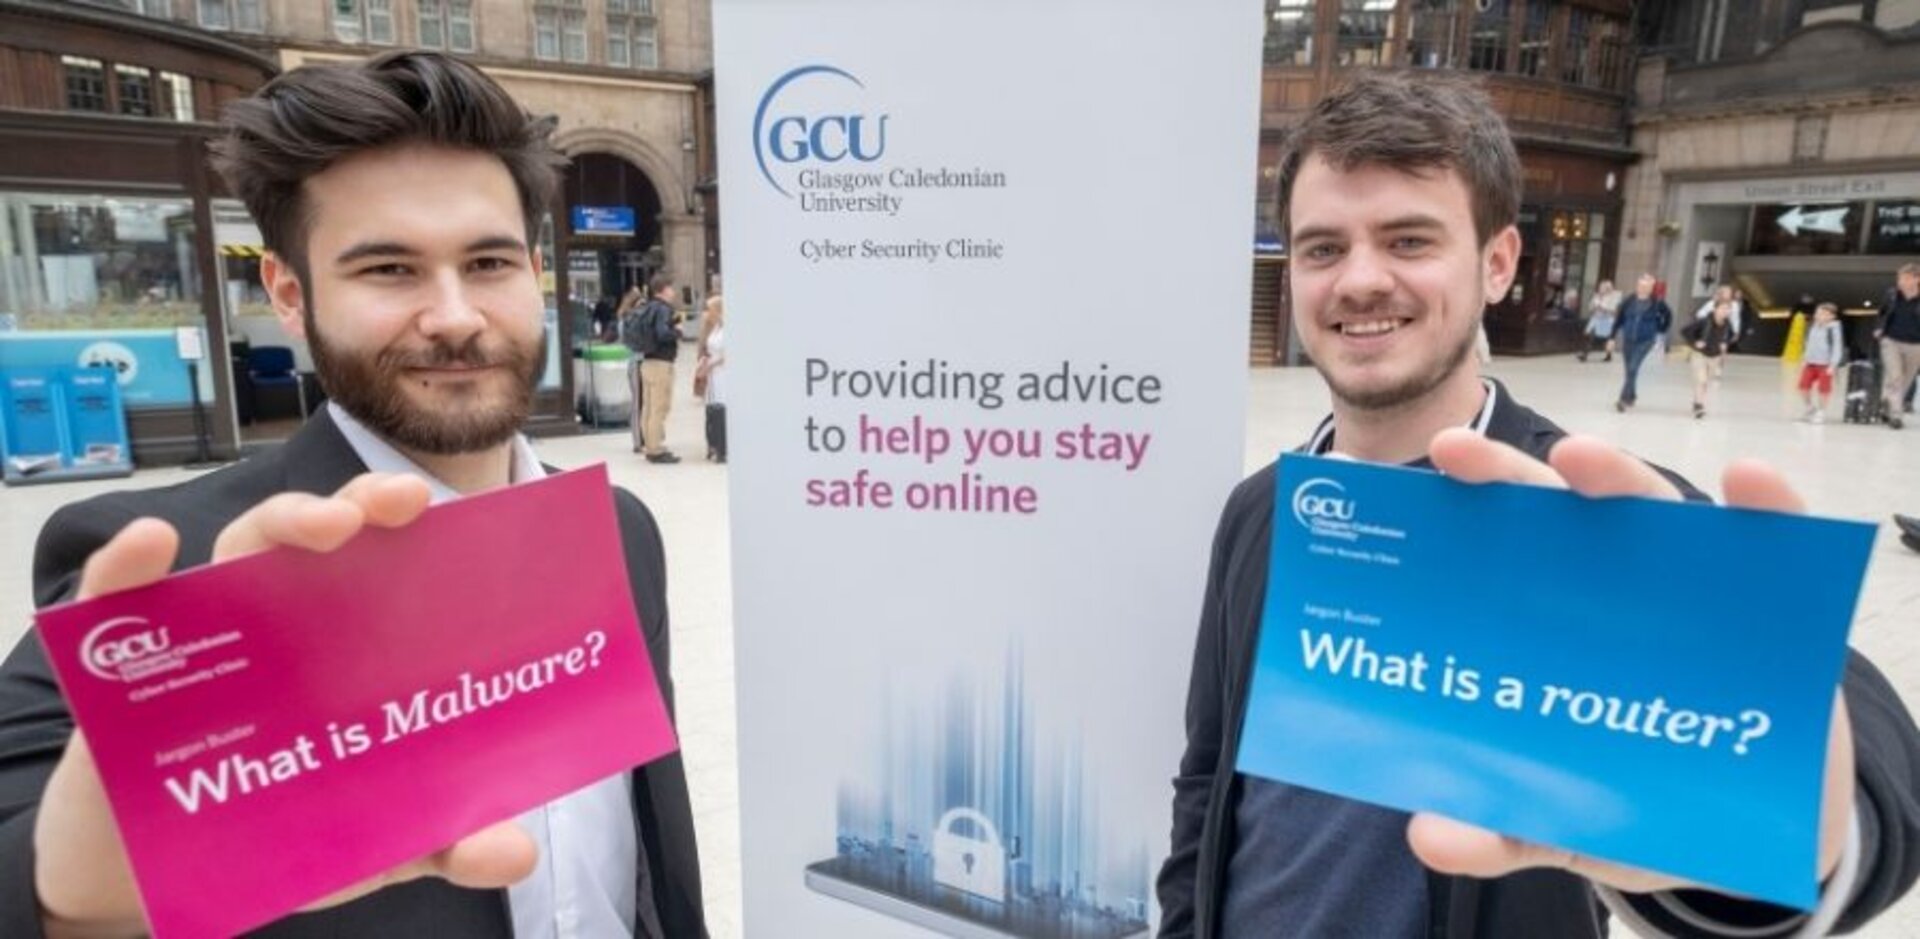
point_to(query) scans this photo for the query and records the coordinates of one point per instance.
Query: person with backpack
(1642, 321)
(1710, 339)
(648, 331)
(1824, 353)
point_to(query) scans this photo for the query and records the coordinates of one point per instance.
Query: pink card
(278, 727)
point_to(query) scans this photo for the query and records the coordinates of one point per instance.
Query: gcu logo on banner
(1318, 502)
(819, 136)
(117, 648)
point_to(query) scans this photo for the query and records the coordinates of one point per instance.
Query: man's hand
(81, 873)
(1597, 470)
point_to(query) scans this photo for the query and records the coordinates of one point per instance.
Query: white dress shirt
(586, 884)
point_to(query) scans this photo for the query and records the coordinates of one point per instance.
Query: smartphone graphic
(921, 902)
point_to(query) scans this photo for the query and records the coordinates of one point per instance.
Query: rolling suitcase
(1863, 392)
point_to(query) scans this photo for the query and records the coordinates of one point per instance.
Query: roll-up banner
(987, 271)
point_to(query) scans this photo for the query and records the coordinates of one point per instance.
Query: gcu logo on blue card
(1323, 507)
(817, 135)
(1318, 502)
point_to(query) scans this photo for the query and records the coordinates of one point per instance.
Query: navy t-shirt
(1310, 864)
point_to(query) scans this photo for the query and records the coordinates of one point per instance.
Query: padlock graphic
(976, 865)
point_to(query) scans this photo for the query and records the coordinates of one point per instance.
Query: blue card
(1644, 682)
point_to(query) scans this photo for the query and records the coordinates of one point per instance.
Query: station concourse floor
(1861, 472)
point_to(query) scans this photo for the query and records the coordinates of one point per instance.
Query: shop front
(1569, 224)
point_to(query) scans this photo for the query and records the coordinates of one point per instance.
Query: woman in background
(709, 379)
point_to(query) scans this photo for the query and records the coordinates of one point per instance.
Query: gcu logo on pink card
(124, 648)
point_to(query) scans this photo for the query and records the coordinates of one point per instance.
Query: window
(243, 15)
(560, 30)
(631, 37)
(1534, 40)
(1435, 34)
(1574, 258)
(179, 90)
(1576, 55)
(380, 22)
(1289, 32)
(1487, 43)
(346, 21)
(1366, 27)
(77, 262)
(136, 90)
(573, 34)
(86, 84)
(460, 25)
(1896, 14)
(1608, 54)
(355, 22)
(546, 33)
(158, 9)
(1843, 12)
(447, 24)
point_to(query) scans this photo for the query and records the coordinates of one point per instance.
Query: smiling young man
(1402, 191)
(399, 199)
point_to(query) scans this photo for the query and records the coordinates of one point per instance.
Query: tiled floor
(1857, 472)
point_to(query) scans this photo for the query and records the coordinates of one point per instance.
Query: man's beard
(371, 388)
(1409, 390)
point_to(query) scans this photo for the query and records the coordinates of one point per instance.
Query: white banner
(987, 275)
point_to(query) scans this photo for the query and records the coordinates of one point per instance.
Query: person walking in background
(1642, 321)
(649, 332)
(1825, 349)
(1745, 318)
(1725, 293)
(604, 318)
(1601, 311)
(1899, 335)
(709, 377)
(1709, 338)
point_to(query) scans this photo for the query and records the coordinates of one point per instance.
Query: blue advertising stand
(63, 424)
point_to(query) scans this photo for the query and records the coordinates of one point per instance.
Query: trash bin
(603, 394)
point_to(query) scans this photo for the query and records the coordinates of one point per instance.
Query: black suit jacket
(35, 723)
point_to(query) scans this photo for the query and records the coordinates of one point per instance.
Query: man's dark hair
(657, 283)
(1415, 123)
(304, 121)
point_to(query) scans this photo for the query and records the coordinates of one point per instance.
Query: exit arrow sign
(1830, 221)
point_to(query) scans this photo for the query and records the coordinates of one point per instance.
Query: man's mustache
(469, 354)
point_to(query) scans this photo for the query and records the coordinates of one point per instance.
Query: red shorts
(1821, 375)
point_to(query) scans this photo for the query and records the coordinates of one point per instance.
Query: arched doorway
(614, 235)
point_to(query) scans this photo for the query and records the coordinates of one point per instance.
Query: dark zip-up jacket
(1642, 320)
(1709, 337)
(1900, 317)
(1192, 884)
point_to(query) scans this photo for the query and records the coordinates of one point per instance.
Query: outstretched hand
(1599, 470)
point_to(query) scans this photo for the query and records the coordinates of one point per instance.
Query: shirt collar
(1322, 440)
(382, 457)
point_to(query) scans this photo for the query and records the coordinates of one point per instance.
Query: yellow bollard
(1796, 339)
